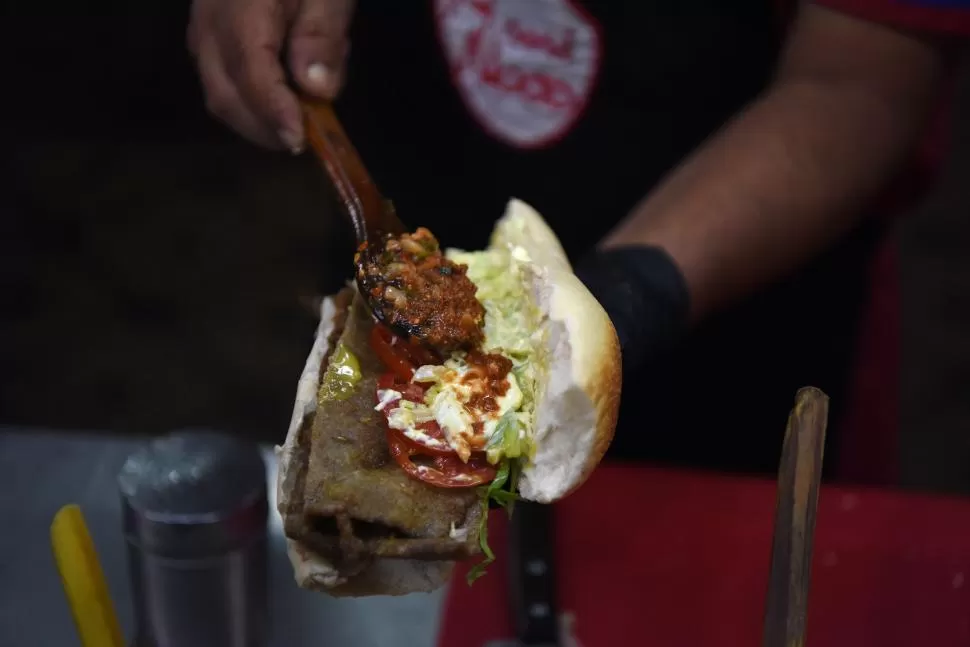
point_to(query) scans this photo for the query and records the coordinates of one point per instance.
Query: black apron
(671, 74)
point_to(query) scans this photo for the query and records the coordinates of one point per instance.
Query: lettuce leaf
(508, 474)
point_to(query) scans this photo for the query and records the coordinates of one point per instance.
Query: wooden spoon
(371, 216)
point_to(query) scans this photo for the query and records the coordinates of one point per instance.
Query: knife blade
(532, 575)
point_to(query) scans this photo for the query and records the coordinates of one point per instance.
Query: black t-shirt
(436, 99)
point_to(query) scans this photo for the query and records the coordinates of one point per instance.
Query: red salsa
(422, 292)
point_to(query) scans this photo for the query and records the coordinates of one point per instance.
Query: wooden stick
(799, 475)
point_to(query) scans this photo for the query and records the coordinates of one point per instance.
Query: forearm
(786, 177)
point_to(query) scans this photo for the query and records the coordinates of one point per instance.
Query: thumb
(318, 45)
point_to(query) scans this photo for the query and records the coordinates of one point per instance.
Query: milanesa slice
(356, 524)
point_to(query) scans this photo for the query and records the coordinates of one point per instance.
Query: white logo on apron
(524, 68)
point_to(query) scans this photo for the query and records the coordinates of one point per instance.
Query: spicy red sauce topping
(424, 293)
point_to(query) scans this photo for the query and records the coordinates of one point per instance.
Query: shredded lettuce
(501, 287)
(509, 439)
(512, 328)
(508, 473)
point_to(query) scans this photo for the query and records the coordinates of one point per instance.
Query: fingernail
(292, 141)
(319, 75)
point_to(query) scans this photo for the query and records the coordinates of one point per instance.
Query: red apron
(868, 449)
(669, 558)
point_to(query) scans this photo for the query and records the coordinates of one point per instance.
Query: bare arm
(792, 171)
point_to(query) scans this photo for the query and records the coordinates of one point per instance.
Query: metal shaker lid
(193, 494)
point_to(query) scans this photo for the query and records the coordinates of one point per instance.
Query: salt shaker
(194, 512)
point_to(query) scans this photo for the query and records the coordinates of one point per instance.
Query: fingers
(223, 101)
(318, 45)
(237, 46)
(253, 63)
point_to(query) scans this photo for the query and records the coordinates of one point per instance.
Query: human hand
(238, 48)
(645, 295)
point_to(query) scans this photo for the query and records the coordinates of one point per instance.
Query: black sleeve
(645, 295)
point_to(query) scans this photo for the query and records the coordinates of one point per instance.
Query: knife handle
(532, 575)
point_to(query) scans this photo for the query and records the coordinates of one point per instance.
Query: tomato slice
(391, 353)
(432, 440)
(387, 381)
(397, 351)
(412, 392)
(440, 471)
(421, 356)
(432, 461)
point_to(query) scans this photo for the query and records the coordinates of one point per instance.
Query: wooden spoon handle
(365, 207)
(799, 476)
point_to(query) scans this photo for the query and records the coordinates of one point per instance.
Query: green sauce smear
(342, 376)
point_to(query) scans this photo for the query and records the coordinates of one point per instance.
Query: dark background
(157, 271)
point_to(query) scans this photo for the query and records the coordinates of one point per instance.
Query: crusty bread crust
(579, 401)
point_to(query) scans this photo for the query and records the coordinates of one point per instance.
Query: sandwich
(400, 444)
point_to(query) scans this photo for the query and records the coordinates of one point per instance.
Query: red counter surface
(669, 558)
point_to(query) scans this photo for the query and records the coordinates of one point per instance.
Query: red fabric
(868, 452)
(913, 15)
(670, 558)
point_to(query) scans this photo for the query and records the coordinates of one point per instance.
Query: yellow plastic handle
(84, 585)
